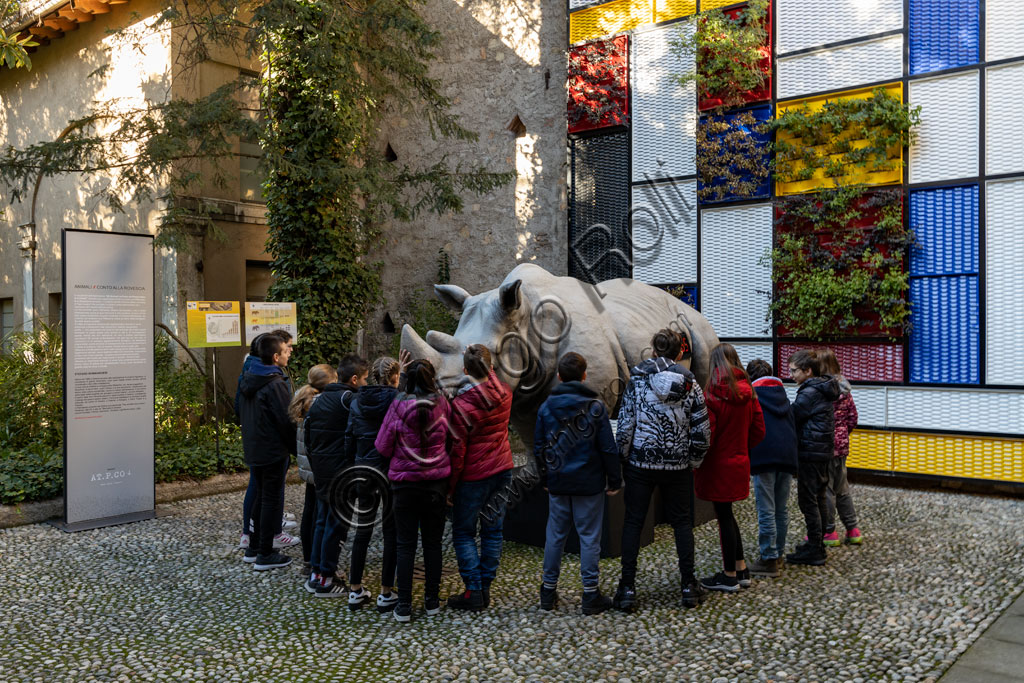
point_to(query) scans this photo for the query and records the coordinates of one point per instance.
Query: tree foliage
(13, 52)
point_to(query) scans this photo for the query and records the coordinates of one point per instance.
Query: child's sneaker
(249, 557)
(763, 567)
(243, 542)
(330, 589)
(693, 593)
(594, 602)
(356, 599)
(805, 553)
(273, 561)
(548, 598)
(283, 540)
(288, 524)
(721, 582)
(387, 601)
(853, 536)
(432, 605)
(470, 601)
(403, 612)
(743, 577)
(831, 539)
(312, 583)
(625, 598)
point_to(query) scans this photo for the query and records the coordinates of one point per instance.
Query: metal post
(216, 423)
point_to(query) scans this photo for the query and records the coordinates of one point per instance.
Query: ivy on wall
(733, 159)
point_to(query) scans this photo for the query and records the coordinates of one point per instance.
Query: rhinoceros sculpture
(535, 317)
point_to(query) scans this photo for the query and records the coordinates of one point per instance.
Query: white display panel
(1004, 119)
(749, 351)
(947, 143)
(1004, 268)
(809, 23)
(841, 68)
(1004, 29)
(734, 286)
(995, 412)
(664, 227)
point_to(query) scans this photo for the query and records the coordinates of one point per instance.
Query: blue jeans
(328, 535)
(771, 491)
(477, 567)
(587, 514)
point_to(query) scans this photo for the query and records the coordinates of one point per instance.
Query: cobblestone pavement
(169, 599)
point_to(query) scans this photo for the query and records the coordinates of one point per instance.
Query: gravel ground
(168, 599)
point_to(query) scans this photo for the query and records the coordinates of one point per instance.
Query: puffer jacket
(325, 427)
(365, 418)
(414, 459)
(737, 425)
(268, 435)
(846, 417)
(305, 470)
(663, 423)
(480, 415)
(815, 418)
(777, 453)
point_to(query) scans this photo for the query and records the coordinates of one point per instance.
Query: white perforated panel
(749, 351)
(947, 144)
(841, 67)
(997, 412)
(870, 402)
(664, 113)
(810, 23)
(1004, 29)
(1004, 119)
(734, 287)
(577, 4)
(664, 221)
(1004, 266)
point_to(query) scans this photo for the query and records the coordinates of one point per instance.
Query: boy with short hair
(325, 426)
(578, 463)
(773, 464)
(815, 429)
(482, 465)
(268, 441)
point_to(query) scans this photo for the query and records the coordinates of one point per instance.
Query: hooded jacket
(573, 443)
(268, 435)
(414, 459)
(366, 415)
(815, 418)
(480, 415)
(737, 425)
(663, 422)
(845, 415)
(777, 453)
(325, 427)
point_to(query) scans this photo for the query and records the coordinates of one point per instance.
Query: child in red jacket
(838, 497)
(737, 425)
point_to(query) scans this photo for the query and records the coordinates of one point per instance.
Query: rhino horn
(419, 349)
(443, 343)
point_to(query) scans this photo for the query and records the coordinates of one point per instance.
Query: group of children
(433, 453)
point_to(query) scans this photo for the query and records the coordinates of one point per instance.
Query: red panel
(712, 100)
(861, 362)
(598, 85)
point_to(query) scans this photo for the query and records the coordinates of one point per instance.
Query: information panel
(213, 324)
(108, 378)
(267, 316)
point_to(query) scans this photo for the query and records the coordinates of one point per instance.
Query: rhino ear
(451, 296)
(510, 296)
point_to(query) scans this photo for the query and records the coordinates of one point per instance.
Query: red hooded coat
(737, 425)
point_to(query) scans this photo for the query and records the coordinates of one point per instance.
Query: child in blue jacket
(578, 463)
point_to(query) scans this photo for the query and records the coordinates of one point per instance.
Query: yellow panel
(609, 18)
(715, 4)
(859, 177)
(958, 456)
(664, 10)
(870, 450)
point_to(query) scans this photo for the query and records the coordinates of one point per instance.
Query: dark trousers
(419, 511)
(250, 498)
(837, 497)
(267, 506)
(728, 536)
(308, 522)
(677, 501)
(368, 504)
(329, 533)
(811, 488)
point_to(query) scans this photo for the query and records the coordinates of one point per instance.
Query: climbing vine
(839, 257)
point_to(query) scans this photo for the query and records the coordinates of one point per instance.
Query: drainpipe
(28, 252)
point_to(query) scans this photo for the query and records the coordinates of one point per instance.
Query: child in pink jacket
(838, 497)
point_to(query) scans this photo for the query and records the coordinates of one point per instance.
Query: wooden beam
(44, 32)
(72, 14)
(59, 23)
(94, 6)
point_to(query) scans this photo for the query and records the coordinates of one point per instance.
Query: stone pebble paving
(170, 600)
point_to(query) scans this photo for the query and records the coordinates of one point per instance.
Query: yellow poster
(267, 316)
(213, 323)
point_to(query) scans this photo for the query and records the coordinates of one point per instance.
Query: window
(258, 279)
(249, 152)
(6, 323)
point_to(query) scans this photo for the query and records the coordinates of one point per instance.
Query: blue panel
(945, 338)
(945, 221)
(943, 34)
(763, 141)
(687, 296)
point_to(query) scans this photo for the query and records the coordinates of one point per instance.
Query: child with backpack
(838, 497)
(578, 463)
(773, 464)
(814, 417)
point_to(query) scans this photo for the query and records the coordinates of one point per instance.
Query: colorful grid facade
(952, 386)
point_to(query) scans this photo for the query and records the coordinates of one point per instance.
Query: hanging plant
(598, 85)
(838, 264)
(843, 138)
(733, 156)
(733, 55)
